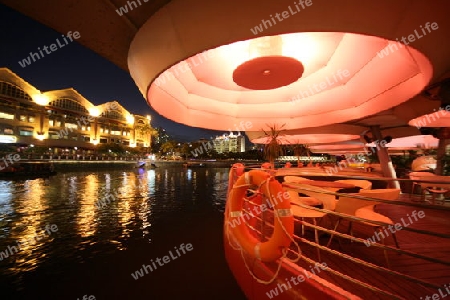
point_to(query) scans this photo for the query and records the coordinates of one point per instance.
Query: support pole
(385, 161)
(443, 142)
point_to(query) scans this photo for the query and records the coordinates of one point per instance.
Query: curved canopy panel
(340, 134)
(349, 147)
(338, 67)
(411, 142)
(230, 84)
(440, 118)
(333, 147)
(307, 139)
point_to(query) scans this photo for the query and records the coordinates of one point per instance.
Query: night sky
(75, 66)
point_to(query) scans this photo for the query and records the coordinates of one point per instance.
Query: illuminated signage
(8, 139)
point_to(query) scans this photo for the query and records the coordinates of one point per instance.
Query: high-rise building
(229, 143)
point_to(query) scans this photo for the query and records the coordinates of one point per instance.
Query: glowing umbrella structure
(224, 86)
(332, 139)
(439, 120)
(302, 75)
(411, 142)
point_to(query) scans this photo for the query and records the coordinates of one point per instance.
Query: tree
(7, 149)
(301, 150)
(146, 130)
(169, 147)
(185, 150)
(273, 149)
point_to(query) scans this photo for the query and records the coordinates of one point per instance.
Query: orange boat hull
(309, 289)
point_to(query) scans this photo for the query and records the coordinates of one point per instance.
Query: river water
(56, 243)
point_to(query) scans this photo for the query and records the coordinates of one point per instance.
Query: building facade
(64, 119)
(229, 143)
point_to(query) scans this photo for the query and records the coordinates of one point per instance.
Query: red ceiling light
(267, 68)
(269, 72)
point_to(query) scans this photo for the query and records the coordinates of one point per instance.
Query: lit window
(23, 118)
(51, 122)
(13, 91)
(30, 119)
(52, 135)
(6, 116)
(71, 125)
(26, 132)
(69, 104)
(8, 131)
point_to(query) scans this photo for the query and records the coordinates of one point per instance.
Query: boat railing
(388, 279)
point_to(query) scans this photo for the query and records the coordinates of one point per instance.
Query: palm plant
(301, 150)
(273, 149)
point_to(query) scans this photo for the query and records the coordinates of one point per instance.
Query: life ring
(272, 249)
(236, 171)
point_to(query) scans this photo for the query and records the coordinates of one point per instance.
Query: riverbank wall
(73, 165)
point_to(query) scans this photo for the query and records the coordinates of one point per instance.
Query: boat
(194, 165)
(286, 256)
(140, 164)
(28, 170)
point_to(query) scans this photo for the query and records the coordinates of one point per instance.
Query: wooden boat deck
(435, 220)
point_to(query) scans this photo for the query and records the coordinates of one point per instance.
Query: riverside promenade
(64, 163)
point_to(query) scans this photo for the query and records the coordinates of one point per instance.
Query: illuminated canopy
(307, 139)
(349, 66)
(344, 78)
(440, 118)
(343, 135)
(411, 142)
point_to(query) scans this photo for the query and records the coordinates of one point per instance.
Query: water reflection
(143, 199)
(23, 224)
(6, 195)
(86, 226)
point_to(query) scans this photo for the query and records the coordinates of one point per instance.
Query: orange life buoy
(281, 238)
(236, 170)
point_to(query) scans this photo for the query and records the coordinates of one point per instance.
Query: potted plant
(301, 150)
(273, 148)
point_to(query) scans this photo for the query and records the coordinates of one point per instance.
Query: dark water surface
(93, 251)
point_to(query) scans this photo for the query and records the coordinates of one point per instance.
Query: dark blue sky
(75, 66)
